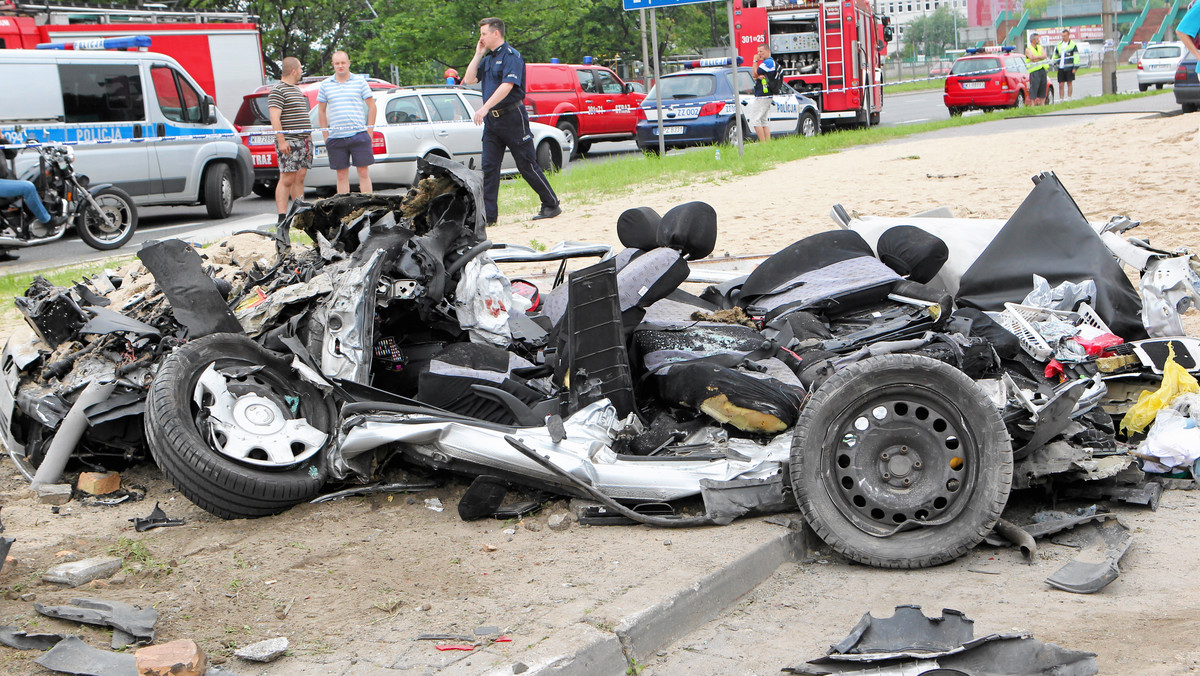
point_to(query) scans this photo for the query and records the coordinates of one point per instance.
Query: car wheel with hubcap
(808, 125)
(545, 157)
(235, 429)
(901, 461)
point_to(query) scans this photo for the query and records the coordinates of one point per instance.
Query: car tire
(1158, 86)
(571, 131)
(182, 439)
(265, 189)
(1020, 102)
(896, 440)
(728, 137)
(1190, 107)
(809, 124)
(874, 119)
(96, 230)
(218, 190)
(1143, 87)
(582, 147)
(545, 157)
(955, 111)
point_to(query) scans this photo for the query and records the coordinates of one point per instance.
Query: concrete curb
(643, 632)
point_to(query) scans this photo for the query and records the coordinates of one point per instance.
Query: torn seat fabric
(452, 372)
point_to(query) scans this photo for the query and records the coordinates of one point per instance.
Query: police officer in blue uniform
(505, 122)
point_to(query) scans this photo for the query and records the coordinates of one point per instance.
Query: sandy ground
(352, 583)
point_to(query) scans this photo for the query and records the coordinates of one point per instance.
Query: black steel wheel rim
(900, 454)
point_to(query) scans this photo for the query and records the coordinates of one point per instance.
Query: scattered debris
(911, 643)
(75, 573)
(157, 519)
(560, 521)
(136, 622)
(1102, 544)
(72, 656)
(264, 651)
(20, 640)
(376, 489)
(434, 504)
(54, 494)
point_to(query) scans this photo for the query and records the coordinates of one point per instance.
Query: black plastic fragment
(131, 619)
(482, 498)
(907, 629)
(51, 311)
(1097, 564)
(72, 656)
(20, 640)
(157, 519)
(107, 321)
(195, 300)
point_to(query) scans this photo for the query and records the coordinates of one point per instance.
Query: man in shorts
(340, 104)
(762, 105)
(1035, 54)
(1066, 54)
(288, 108)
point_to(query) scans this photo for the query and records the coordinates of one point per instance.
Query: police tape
(34, 143)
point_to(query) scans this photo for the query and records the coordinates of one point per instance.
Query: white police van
(126, 100)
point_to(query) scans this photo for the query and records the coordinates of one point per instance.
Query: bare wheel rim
(227, 193)
(247, 418)
(898, 454)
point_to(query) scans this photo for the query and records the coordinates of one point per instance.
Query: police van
(142, 122)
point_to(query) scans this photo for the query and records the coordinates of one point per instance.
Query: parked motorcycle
(104, 216)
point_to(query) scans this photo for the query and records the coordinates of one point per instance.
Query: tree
(931, 34)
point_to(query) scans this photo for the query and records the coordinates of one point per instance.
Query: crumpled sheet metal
(257, 318)
(585, 453)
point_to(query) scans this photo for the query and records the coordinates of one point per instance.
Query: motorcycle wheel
(235, 430)
(113, 225)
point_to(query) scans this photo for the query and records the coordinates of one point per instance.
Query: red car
(254, 121)
(987, 81)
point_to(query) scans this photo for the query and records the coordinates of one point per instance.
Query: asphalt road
(253, 212)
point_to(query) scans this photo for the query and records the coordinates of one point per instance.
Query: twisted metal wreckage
(891, 383)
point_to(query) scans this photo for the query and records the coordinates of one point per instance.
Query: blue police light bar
(587, 60)
(1007, 48)
(128, 42)
(554, 60)
(710, 63)
(972, 50)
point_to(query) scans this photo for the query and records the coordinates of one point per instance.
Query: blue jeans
(28, 194)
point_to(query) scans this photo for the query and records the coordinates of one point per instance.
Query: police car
(698, 110)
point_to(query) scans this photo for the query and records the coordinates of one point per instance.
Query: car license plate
(262, 140)
(319, 151)
(972, 85)
(1159, 66)
(674, 130)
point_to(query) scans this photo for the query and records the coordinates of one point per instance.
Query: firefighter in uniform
(505, 122)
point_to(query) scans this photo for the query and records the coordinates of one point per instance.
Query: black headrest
(690, 229)
(638, 228)
(912, 252)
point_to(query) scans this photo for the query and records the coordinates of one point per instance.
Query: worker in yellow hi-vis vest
(1035, 54)
(1066, 57)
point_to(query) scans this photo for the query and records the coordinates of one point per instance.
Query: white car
(1158, 63)
(416, 122)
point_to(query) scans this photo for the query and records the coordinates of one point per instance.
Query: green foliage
(138, 556)
(932, 34)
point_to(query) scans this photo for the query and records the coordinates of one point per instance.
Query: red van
(589, 103)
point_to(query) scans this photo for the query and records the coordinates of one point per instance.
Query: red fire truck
(830, 50)
(221, 50)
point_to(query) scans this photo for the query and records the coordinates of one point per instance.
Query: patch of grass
(137, 556)
(536, 245)
(597, 182)
(16, 284)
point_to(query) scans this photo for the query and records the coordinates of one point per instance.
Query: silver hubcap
(252, 428)
(227, 193)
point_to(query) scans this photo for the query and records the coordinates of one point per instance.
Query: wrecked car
(892, 384)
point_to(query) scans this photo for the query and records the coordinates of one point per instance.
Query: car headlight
(70, 152)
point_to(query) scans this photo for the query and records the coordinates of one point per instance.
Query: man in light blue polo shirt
(340, 105)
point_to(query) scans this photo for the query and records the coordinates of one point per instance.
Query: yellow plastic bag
(1175, 381)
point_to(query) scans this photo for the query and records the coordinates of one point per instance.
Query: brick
(75, 573)
(99, 483)
(177, 658)
(10, 562)
(54, 494)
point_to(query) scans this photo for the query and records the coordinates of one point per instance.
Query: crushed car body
(890, 380)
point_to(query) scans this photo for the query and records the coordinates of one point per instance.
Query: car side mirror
(626, 88)
(210, 110)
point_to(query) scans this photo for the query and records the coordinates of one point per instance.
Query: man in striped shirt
(288, 108)
(340, 105)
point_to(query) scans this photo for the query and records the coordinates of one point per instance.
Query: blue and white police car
(698, 109)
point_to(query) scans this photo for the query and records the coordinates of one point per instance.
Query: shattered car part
(133, 620)
(911, 643)
(1097, 564)
(195, 300)
(72, 656)
(156, 519)
(20, 640)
